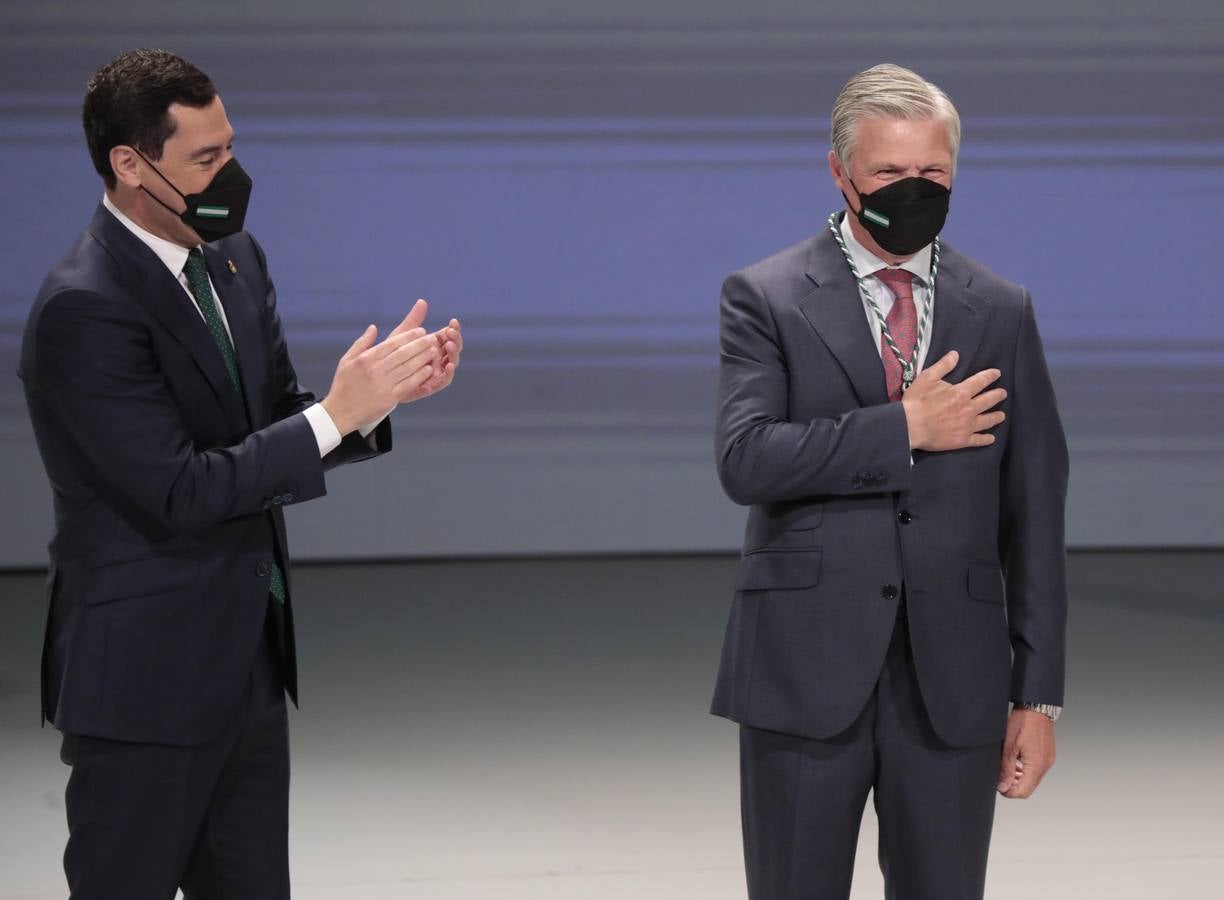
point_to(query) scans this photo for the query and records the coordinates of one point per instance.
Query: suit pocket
(985, 582)
(143, 577)
(779, 570)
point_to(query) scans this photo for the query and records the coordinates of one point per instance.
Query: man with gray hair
(886, 412)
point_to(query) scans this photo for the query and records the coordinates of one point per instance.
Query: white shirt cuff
(325, 431)
(367, 430)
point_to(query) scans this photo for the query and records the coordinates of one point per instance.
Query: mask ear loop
(857, 193)
(165, 179)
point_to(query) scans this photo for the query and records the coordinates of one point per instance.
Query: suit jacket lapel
(242, 313)
(163, 296)
(835, 309)
(960, 315)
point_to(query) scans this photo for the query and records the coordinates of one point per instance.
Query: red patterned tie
(902, 322)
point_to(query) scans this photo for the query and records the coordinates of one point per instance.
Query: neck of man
(864, 237)
(143, 210)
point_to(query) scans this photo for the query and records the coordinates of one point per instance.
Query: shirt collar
(867, 263)
(170, 253)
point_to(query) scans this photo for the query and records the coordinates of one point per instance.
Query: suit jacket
(168, 487)
(840, 521)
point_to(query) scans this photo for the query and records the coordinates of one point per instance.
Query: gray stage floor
(536, 730)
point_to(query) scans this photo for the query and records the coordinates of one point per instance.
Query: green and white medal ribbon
(909, 370)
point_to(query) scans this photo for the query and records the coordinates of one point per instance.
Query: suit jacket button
(287, 498)
(904, 517)
(889, 592)
(262, 570)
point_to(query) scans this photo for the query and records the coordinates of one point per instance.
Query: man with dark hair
(886, 412)
(173, 431)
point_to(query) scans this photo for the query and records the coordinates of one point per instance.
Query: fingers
(413, 355)
(987, 421)
(988, 400)
(1007, 768)
(1026, 781)
(1010, 768)
(975, 384)
(363, 343)
(393, 343)
(942, 368)
(413, 384)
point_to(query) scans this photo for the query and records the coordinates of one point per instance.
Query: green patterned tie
(201, 288)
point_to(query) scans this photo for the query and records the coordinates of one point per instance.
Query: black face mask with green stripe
(220, 209)
(904, 216)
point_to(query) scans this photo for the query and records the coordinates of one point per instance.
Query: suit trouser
(146, 819)
(803, 800)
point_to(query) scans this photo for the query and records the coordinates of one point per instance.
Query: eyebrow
(211, 149)
(875, 167)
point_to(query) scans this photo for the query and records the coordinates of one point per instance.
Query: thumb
(1007, 767)
(363, 343)
(416, 316)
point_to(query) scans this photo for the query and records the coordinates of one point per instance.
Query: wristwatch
(1049, 710)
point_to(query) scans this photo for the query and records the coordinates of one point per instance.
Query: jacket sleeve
(1032, 530)
(762, 456)
(289, 398)
(95, 367)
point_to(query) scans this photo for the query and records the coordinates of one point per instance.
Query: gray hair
(894, 92)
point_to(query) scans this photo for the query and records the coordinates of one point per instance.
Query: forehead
(880, 139)
(197, 127)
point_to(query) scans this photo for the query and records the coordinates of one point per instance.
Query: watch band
(1049, 710)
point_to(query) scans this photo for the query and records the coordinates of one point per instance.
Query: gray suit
(850, 548)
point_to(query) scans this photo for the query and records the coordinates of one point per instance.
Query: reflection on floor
(536, 729)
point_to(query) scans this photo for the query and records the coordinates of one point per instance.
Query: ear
(841, 177)
(126, 166)
(838, 171)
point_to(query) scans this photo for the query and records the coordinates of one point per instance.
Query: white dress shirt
(867, 264)
(327, 435)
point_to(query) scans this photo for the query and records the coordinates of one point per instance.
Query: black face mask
(220, 209)
(904, 216)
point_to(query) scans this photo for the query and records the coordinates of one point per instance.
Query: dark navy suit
(168, 489)
(875, 595)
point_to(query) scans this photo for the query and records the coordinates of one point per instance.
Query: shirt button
(262, 569)
(889, 592)
(904, 517)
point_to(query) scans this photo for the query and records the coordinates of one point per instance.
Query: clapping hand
(374, 377)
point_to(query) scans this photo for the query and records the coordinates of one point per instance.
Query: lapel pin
(233, 268)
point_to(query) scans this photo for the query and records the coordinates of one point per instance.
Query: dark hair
(127, 101)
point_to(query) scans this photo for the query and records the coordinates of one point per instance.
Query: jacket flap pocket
(140, 577)
(985, 582)
(767, 570)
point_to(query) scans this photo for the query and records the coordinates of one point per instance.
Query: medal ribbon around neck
(908, 369)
